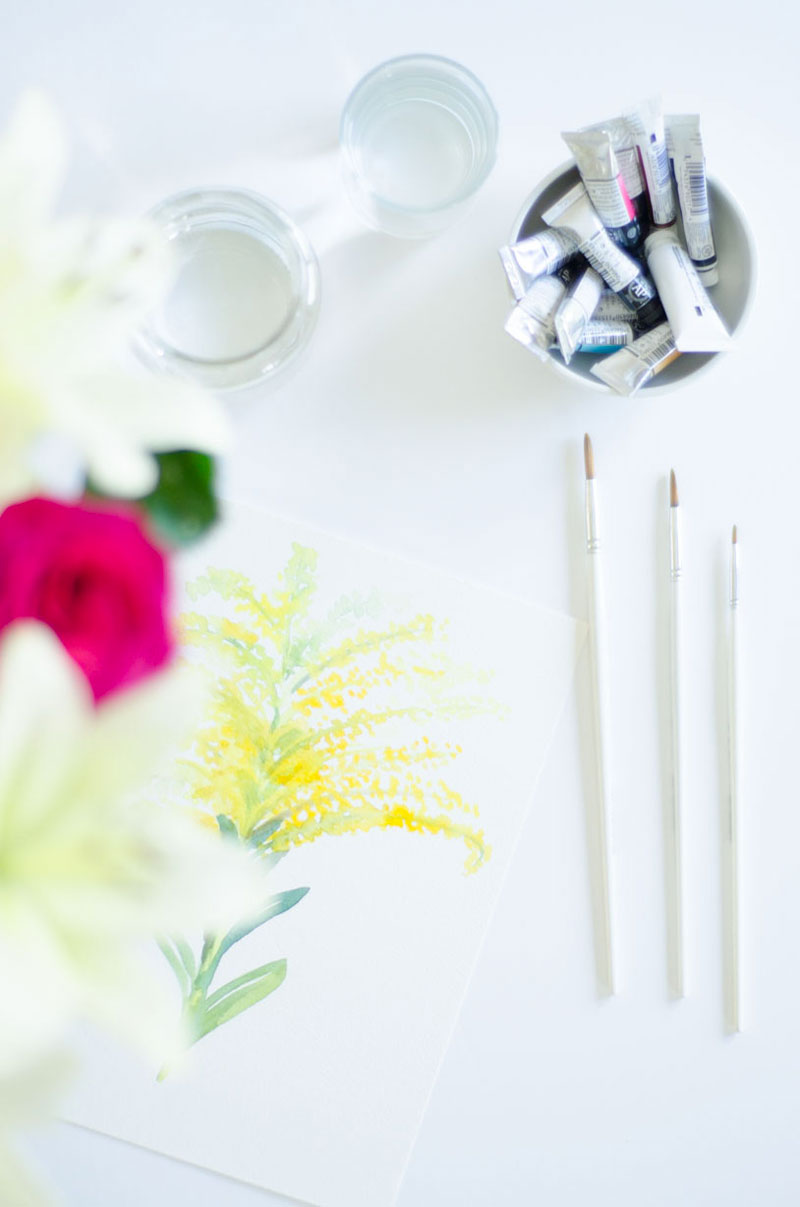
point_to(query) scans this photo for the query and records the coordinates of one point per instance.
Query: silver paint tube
(575, 213)
(630, 368)
(575, 311)
(647, 125)
(601, 174)
(627, 153)
(685, 147)
(534, 257)
(691, 313)
(531, 322)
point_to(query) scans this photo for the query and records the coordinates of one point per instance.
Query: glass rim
(261, 217)
(453, 68)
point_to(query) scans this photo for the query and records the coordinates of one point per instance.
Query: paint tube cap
(709, 276)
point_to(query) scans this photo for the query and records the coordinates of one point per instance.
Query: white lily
(71, 294)
(27, 1100)
(88, 873)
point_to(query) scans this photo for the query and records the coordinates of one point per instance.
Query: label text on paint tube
(685, 145)
(609, 201)
(692, 316)
(647, 125)
(535, 256)
(628, 370)
(612, 308)
(628, 160)
(601, 333)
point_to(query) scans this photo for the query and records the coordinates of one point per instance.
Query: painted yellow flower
(72, 291)
(318, 724)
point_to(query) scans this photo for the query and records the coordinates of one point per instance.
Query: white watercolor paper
(318, 1090)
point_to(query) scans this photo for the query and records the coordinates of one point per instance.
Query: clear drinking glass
(245, 295)
(418, 137)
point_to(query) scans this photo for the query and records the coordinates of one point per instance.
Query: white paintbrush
(599, 667)
(732, 842)
(674, 857)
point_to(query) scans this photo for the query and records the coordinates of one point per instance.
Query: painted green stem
(203, 1011)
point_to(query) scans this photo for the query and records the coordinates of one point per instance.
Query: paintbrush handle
(599, 671)
(675, 892)
(732, 829)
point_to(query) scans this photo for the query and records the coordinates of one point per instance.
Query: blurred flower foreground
(90, 699)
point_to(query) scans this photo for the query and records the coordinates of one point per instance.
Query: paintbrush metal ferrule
(592, 535)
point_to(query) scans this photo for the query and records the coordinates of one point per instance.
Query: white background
(417, 425)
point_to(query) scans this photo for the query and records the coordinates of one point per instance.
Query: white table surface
(417, 425)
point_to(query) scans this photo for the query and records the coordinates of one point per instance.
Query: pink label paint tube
(601, 174)
(632, 367)
(691, 313)
(532, 321)
(685, 147)
(646, 123)
(576, 214)
(627, 153)
(534, 257)
(576, 309)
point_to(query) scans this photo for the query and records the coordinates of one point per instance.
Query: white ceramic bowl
(733, 295)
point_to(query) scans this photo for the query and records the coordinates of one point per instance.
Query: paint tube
(691, 313)
(603, 335)
(575, 213)
(630, 368)
(534, 257)
(627, 153)
(576, 309)
(612, 309)
(600, 172)
(531, 322)
(685, 147)
(647, 126)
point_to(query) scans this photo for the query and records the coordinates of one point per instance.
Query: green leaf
(227, 828)
(274, 906)
(265, 830)
(239, 995)
(176, 964)
(183, 506)
(186, 954)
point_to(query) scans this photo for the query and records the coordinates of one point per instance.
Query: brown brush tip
(733, 535)
(673, 489)
(588, 456)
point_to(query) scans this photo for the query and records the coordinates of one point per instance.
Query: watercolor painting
(302, 741)
(372, 732)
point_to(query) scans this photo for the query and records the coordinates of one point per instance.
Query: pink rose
(93, 576)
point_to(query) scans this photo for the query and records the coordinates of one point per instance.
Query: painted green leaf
(183, 505)
(241, 994)
(186, 954)
(264, 831)
(176, 964)
(274, 906)
(226, 827)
